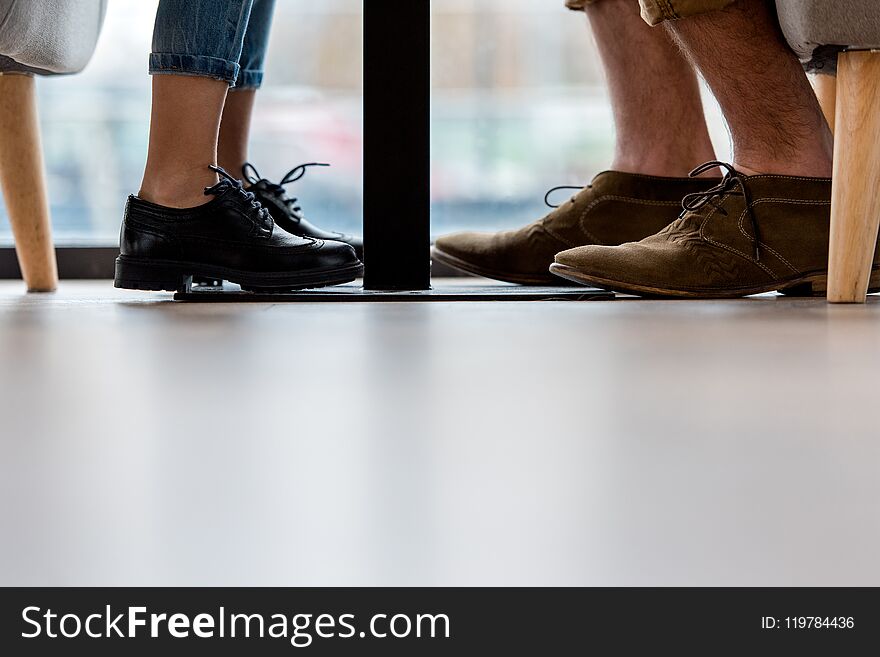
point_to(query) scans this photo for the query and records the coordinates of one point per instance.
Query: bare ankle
(810, 168)
(232, 164)
(670, 167)
(173, 199)
(181, 190)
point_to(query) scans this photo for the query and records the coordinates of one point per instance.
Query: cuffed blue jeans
(221, 39)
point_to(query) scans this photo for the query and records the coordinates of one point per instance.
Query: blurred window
(518, 106)
(96, 124)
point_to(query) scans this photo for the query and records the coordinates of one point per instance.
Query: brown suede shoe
(711, 251)
(616, 208)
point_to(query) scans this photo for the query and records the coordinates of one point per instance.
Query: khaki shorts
(657, 11)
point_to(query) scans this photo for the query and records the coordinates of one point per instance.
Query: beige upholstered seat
(818, 30)
(49, 36)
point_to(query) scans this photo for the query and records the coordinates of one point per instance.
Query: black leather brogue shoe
(232, 238)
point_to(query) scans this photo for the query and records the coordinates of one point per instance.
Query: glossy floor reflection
(601, 443)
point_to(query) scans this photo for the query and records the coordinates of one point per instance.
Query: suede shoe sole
(507, 277)
(807, 285)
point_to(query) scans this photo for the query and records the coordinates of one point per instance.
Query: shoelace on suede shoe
(227, 182)
(732, 180)
(250, 173)
(556, 189)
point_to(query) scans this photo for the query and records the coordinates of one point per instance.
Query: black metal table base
(356, 294)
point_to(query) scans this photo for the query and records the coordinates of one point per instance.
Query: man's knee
(657, 11)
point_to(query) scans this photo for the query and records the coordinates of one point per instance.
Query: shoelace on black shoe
(250, 173)
(732, 180)
(228, 182)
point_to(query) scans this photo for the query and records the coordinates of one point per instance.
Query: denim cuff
(209, 67)
(249, 79)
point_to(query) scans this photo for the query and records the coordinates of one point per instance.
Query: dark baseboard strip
(98, 262)
(74, 262)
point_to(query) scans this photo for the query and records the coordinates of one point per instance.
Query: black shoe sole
(162, 275)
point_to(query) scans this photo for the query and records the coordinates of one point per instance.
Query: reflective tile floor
(626, 442)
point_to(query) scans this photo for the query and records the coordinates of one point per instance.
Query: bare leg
(658, 112)
(775, 121)
(183, 139)
(235, 128)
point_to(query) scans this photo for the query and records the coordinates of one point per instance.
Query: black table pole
(397, 92)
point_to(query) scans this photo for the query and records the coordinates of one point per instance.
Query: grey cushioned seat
(49, 37)
(819, 29)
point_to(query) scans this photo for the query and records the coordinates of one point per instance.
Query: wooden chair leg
(825, 87)
(855, 203)
(23, 180)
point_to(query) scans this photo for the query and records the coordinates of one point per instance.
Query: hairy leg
(775, 121)
(655, 95)
(183, 139)
(235, 128)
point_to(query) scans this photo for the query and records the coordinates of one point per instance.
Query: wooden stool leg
(825, 87)
(23, 181)
(855, 203)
